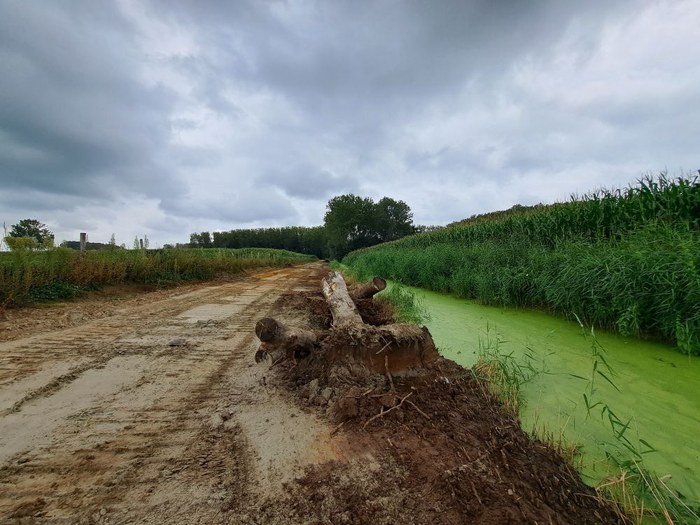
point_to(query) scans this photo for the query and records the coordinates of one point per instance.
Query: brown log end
(260, 355)
(379, 283)
(267, 329)
(367, 291)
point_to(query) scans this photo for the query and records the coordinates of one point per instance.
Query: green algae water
(658, 386)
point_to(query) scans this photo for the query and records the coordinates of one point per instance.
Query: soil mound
(430, 447)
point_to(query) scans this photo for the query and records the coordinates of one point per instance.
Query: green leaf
(608, 380)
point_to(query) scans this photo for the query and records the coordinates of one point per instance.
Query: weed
(638, 493)
(641, 492)
(557, 440)
(57, 290)
(505, 373)
(407, 307)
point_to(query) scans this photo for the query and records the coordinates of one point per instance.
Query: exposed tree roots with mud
(153, 410)
(438, 447)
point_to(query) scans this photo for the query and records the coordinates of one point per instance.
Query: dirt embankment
(155, 412)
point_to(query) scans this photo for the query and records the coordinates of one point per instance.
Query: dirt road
(155, 413)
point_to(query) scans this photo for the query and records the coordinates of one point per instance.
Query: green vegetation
(407, 307)
(31, 228)
(351, 222)
(654, 385)
(505, 372)
(298, 239)
(641, 491)
(64, 273)
(627, 260)
(91, 246)
(29, 235)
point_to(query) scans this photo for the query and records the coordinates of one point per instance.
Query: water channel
(658, 386)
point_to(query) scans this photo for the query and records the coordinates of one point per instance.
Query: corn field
(63, 273)
(626, 260)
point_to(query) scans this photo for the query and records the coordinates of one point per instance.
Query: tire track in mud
(69, 352)
(138, 430)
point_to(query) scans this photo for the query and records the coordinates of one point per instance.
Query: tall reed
(627, 260)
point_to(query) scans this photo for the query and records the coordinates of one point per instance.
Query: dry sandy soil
(150, 409)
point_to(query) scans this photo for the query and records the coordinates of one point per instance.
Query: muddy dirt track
(152, 410)
(155, 413)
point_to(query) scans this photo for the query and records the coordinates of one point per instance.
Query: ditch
(652, 385)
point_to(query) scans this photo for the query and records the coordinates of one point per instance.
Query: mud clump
(310, 303)
(375, 312)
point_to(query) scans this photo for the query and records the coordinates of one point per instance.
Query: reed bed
(627, 260)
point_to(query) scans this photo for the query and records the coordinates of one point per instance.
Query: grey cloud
(345, 57)
(40, 202)
(308, 182)
(238, 207)
(70, 96)
(360, 72)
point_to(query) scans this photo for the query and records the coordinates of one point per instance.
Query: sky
(163, 118)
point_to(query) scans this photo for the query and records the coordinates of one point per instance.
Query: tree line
(350, 222)
(292, 238)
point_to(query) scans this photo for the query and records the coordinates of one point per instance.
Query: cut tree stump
(396, 349)
(279, 341)
(367, 291)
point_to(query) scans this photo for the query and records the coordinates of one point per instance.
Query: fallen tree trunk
(342, 307)
(279, 341)
(367, 291)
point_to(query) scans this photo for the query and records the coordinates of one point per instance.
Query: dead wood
(366, 291)
(390, 350)
(384, 412)
(279, 341)
(342, 307)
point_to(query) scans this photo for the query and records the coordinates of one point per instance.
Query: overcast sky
(165, 118)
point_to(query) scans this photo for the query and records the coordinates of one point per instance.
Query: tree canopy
(394, 219)
(200, 240)
(31, 228)
(299, 239)
(350, 222)
(36, 233)
(354, 222)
